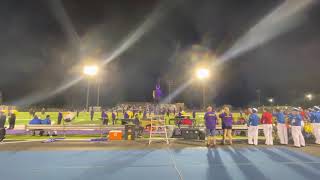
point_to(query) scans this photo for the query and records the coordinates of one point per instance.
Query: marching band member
(281, 126)
(315, 122)
(266, 120)
(253, 129)
(295, 121)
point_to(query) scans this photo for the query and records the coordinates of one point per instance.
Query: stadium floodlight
(202, 73)
(309, 97)
(90, 70)
(271, 100)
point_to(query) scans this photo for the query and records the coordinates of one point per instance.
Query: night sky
(44, 43)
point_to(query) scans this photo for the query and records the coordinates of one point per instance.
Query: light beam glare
(152, 19)
(281, 20)
(176, 92)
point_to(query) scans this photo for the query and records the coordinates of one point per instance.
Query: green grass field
(23, 118)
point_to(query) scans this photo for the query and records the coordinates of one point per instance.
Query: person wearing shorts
(210, 121)
(226, 118)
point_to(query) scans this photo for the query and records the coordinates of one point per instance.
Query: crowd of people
(285, 120)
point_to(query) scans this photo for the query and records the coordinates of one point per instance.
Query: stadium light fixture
(271, 100)
(202, 73)
(91, 70)
(309, 97)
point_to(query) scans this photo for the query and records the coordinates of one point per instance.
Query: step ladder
(158, 130)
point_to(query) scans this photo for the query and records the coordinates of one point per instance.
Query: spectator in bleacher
(60, 116)
(12, 120)
(91, 114)
(126, 115)
(145, 114)
(104, 117)
(227, 119)
(211, 121)
(266, 120)
(253, 129)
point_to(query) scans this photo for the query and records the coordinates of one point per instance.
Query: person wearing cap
(266, 120)
(282, 129)
(227, 119)
(253, 129)
(295, 121)
(210, 121)
(315, 122)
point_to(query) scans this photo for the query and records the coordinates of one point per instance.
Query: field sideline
(23, 118)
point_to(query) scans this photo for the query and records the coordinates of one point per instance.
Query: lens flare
(280, 20)
(153, 18)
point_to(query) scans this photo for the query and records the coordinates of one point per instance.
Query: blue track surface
(191, 164)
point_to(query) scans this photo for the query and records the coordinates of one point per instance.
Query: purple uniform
(226, 120)
(126, 115)
(210, 120)
(103, 115)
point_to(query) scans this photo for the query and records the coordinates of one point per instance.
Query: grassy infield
(23, 118)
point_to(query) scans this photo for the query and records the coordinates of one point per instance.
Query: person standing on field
(282, 129)
(227, 119)
(60, 116)
(266, 120)
(253, 128)
(211, 121)
(91, 114)
(295, 120)
(315, 122)
(12, 121)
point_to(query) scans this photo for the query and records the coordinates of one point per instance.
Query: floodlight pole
(203, 95)
(88, 92)
(98, 93)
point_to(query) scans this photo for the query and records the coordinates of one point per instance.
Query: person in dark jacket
(2, 128)
(60, 116)
(139, 129)
(91, 114)
(12, 121)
